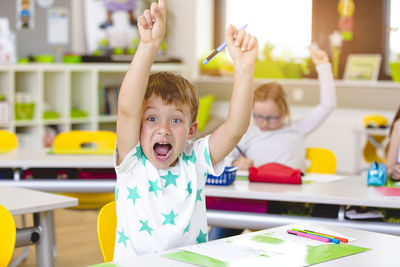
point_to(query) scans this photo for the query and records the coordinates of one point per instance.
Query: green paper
(105, 265)
(322, 253)
(274, 250)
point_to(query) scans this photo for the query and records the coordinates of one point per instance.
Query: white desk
(24, 201)
(384, 251)
(39, 158)
(350, 191)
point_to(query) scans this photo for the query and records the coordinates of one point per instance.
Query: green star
(201, 238)
(154, 187)
(144, 158)
(133, 194)
(198, 196)
(186, 230)
(207, 157)
(191, 158)
(170, 179)
(189, 188)
(140, 155)
(116, 194)
(122, 237)
(169, 218)
(145, 226)
(138, 152)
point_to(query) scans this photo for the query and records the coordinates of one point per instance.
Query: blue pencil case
(377, 174)
(226, 178)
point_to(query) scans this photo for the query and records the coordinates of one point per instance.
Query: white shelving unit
(60, 88)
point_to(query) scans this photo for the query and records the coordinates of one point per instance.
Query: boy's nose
(163, 129)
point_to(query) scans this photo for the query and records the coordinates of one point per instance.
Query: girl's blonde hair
(173, 88)
(274, 92)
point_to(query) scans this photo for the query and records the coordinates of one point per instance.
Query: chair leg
(24, 254)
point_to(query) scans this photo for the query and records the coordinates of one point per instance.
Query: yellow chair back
(374, 143)
(85, 142)
(322, 160)
(7, 236)
(106, 230)
(77, 142)
(8, 141)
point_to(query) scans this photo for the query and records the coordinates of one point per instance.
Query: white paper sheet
(322, 178)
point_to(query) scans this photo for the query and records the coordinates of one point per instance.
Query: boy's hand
(152, 23)
(242, 46)
(319, 56)
(243, 163)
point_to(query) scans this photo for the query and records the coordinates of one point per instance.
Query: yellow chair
(8, 141)
(374, 143)
(7, 236)
(106, 230)
(85, 142)
(322, 160)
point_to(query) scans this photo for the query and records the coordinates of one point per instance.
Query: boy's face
(267, 115)
(164, 131)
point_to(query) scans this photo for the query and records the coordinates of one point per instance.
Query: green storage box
(24, 111)
(395, 68)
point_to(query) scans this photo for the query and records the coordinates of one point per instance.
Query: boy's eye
(151, 118)
(176, 120)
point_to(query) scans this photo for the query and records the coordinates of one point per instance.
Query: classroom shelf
(62, 88)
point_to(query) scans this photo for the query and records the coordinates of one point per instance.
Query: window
(286, 24)
(394, 37)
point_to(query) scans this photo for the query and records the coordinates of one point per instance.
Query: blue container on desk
(226, 178)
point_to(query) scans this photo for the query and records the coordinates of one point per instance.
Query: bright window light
(395, 31)
(286, 24)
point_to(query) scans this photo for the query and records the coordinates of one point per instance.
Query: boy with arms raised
(161, 175)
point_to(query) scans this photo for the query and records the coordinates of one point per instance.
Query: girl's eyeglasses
(269, 119)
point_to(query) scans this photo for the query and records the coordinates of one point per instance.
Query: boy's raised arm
(152, 26)
(243, 49)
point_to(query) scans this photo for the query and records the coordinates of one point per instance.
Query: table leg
(341, 213)
(44, 248)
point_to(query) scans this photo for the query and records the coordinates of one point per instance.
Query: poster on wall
(7, 44)
(57, 26)
(364, 67)
(25, 14)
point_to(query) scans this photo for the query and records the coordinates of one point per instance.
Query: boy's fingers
(245, 42)
(229, 34)
(252, 43)
(240, 37)
(147, 16)
(162, 7)
(142, 22)
(234, 31)
(154, 11)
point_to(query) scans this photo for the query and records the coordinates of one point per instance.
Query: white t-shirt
(160, 209)
(286, 144)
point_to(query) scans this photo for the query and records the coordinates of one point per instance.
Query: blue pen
(219, 48)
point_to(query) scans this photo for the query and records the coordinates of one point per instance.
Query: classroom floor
(76, 237)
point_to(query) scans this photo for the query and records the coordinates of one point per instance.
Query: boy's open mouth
(162, 150)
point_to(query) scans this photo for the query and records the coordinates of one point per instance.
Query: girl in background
(393, 152)
(274, 138)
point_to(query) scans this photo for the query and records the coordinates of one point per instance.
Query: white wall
(191, 30)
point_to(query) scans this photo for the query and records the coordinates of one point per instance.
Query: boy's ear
(193, 129)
